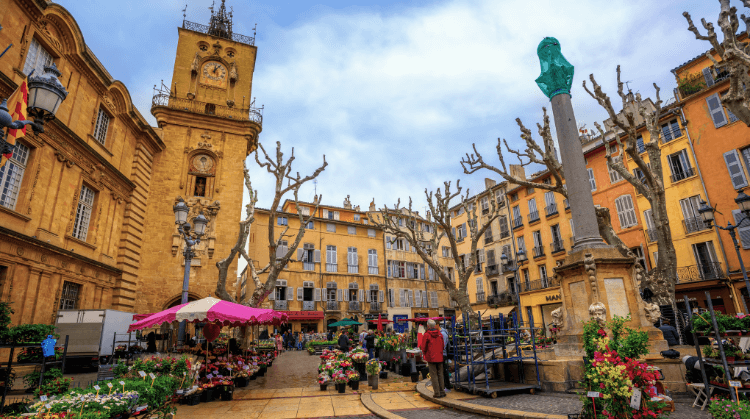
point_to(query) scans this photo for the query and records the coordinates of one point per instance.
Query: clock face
(214, 74)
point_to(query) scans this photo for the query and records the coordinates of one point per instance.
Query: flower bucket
(424, 371)
(227, 394)
(414, 377)
(373, 381)
(207, 395)
(193, 399)
(341, 388)
(384, 374)
(323, 387)
(354, 385)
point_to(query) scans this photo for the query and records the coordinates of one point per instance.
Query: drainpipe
(708, 201)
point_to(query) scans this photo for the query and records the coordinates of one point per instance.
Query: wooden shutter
(732, 159)
(367, 297)
(418, 298)
(387, 242)
(389, 274)
(744, 231)
(410, 294)
(317, 294)
(592, 180)
(361, 295)
(335, 215)
(317, 255)
(480, 252)
(532, 205)
(480, 285)
(549, 198)
(340, 294)
(272, 295)
(716, 110)
(381, 296)
(392, 296)
(401, 297)
(421, 271)
(620, 214)
(708, 76)
(649, 219)
(290, 293)
(299, 293)
(325, 213)
(300, 255)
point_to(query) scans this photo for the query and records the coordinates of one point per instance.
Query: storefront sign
(370, 317)
(553, 297)
(682, 300)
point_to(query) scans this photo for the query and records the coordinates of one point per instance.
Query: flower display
(373, 366)
(339, 377)
(352, 375)
(359, 357)
(323, 378)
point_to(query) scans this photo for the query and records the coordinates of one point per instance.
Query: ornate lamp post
(45, 95)
(191, 239)
(707, 214)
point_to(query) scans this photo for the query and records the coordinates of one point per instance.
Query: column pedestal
(600, 274)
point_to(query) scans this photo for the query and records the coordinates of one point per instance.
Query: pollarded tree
(635, 112)
(734, 55)
(278, 258)
(427, 247)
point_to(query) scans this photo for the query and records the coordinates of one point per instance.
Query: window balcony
(503, 299)
(375, 307)
(538, 251)
(517, 222)
(281, 305)
(695, 224)
(539, 284)
(354, 306)
(331, 267)
(550, 209)
(700, 272)
(684, 174)
(533, 217)
(651, 235)
(480, 297)
(308, 306)
(488, 240)
(557, 246)
(493, 270)
(332, 305)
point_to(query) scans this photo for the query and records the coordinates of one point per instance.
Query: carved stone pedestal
(600, 275)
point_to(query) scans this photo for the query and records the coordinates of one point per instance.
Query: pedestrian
(362, 337)
(446, 373)
(432, 352)
(670, 333)
(330, 335)
(344, 342)
(279, 344)
(370, 344)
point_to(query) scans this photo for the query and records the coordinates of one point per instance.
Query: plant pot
(373, 382)
(414, 377)
(323, 387)
(405, 370)
(253, 377)
(227, 394)
(207, 395)
(354, 385)
(730, 359)
(341, 388)
(262, 372)
(363, 376)
(193, 399)
(384, 374)
(240, 381)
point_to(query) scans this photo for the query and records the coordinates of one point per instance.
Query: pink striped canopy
(212, 310)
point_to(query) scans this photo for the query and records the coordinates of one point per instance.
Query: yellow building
(74, 197)
(414, 290)
(209, 127)
(338, 271)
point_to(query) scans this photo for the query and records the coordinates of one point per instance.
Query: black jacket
(670, 334)
(344, 342)
(370, 341)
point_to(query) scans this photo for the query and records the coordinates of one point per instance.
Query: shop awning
(305, 315)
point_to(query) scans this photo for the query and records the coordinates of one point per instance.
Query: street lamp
(191, 239)
(45, 94)
(707, 214)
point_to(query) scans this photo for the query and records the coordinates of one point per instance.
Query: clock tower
(209, 126)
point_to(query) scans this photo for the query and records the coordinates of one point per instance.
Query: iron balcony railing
(195, 106)
(488, 240)
(332, 305)
(372, 270)
(480, 297)
(550, 209)
(503, 299)
(539, 284)
(308, 266)
(684, 174)
(538, 251)
(557, 246)
(197, 27)
(673, 133)
(353, 269)
(375, 307)
(281, 305)
(700, 272)
(308, 306)
(354, 306)
(518, 222)
(493, 270)
(651, 233)
(533, 216)
(694, 224)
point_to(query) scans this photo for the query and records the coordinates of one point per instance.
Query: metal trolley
(491, 344)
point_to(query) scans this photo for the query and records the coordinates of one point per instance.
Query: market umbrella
(381, 321)
(212, 310)
(345, 322)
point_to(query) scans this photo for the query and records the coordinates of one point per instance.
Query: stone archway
(176, 300)
(329, 321)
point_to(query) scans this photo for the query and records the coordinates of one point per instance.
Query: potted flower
(227, 389)
(373, 368)
(339, 378)
(353, 377)
(207, 392)
(730, 352)
(323, 380)
(383, 370)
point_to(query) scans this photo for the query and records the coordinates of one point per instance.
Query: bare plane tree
(661, 280)
(439, 219)
(734, 55)
(278, 260)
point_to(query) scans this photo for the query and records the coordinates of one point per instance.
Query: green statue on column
(557, 72)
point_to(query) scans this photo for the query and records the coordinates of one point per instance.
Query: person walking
(344, 342)
(669, 332)
(432, 352)
(370, 344)
(446, 373)
(279, 344)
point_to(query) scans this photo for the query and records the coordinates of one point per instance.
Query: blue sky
(394, 93)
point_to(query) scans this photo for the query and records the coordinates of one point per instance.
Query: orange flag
(17, 104)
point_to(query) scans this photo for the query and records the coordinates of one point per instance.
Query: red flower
(602, 333)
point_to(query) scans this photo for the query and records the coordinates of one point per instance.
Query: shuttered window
(352, 230)
(100, 130)
(352, 260)
(625, 211)
(614, 176)
(639, 144)
(744, 231)
(732, 160)
(716, 110)
(708, 76)
(592, 180)
(83, 213)
(11, 175)
(331, 227)
(480, 285)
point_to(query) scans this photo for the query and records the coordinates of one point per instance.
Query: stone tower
(209, 127)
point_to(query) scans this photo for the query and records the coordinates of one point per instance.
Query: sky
(394, 93)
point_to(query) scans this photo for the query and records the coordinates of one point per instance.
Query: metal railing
(308, 306)
(503, 299)
(353, 269)
(684, 174)
(700, 272)
(533, 216)
(332, 267)
(354, 306)
(557, 246)
(197, 27)
(372, 270)
(493, 270)
(651, 235)
(281, 305)
(480, 297)
(551, 209)
(332, 305)
(694, 224)
(674, 133)
(539, 284)
(538, 251)
(241, 114)
(518, 222)
(375, 307)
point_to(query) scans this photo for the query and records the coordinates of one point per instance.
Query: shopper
(432, 352)
(370, 344)
(446, 373)
(344, 342)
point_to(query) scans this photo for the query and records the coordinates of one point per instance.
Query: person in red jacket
(432, 352)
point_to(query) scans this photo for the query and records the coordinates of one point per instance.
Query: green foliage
(32, 379)
(626, 341)
(727, 409)
(54, 387)
(31, 333)
(691, 84)
(725, 322)
(590, 332)
(120, 369)
(5, 312)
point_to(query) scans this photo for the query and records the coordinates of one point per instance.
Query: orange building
(722, 149)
